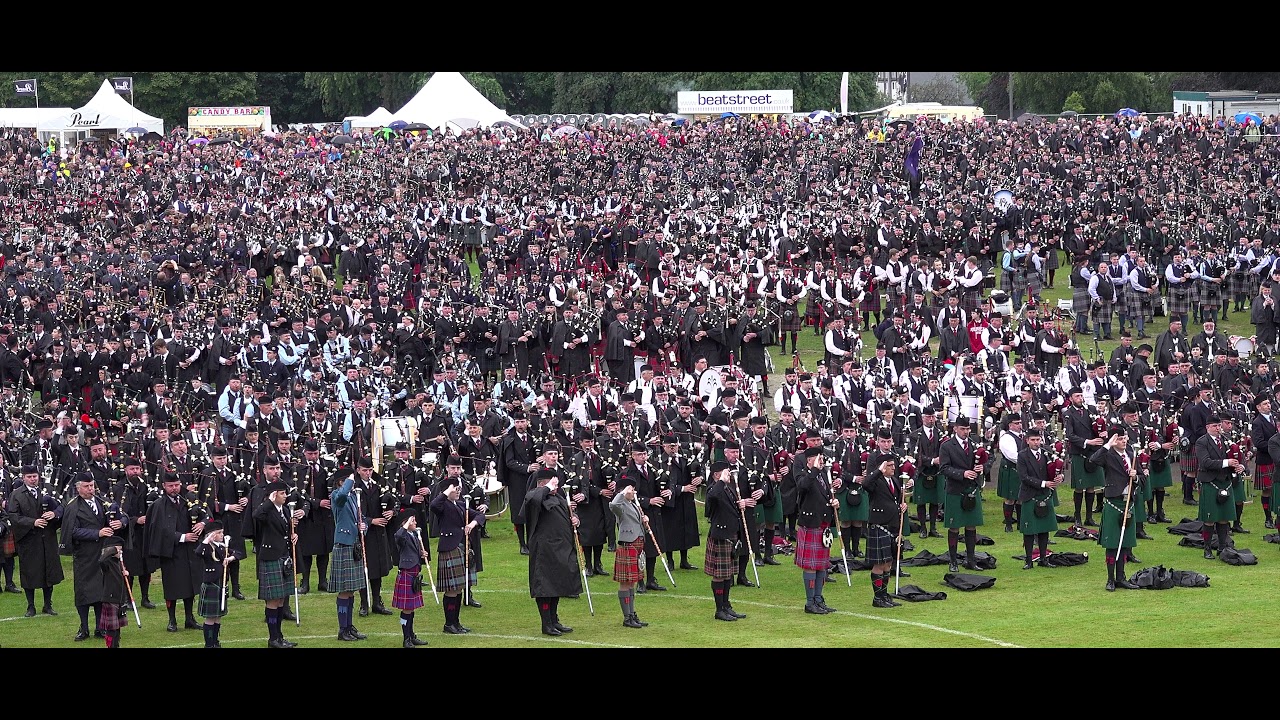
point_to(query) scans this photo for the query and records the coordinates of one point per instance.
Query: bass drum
(495, 492)
(1245, 347)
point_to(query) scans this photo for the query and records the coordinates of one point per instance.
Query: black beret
(278, 485)
(716, 467)
(365, 462)
(217, 451)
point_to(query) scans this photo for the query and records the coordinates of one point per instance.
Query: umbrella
(642, 121)
(908, 124)
(198, 141)
(822, 116)
(727, 115)
(136, 131)
(1067, 114)
(465, 123)
(1245, 117)
(398, 125)
(341, 140)
(153, 136)
(221, 140)
(1127, 112)
(1030, 119)
(416, 126)
(564, 130)
(678, 122)
(385, 132)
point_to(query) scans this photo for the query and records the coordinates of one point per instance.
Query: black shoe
(599, 570)
(280, 643)
(631, 622)
(1133, 558)
(191, 624)
(1270, 525)
(935, 534)
(1185, 501)
(1208, 554)
(31, 611)
(743, 582)
(1239, 529)
(551, 630)
(613, 548)
(172, 627)
(1162, 519)
(48, 610)
(822, 603)
(524, 549)
(380, 609)
(689, 566)
(234, 593)
(454, 629)
(1111, 586)
(81, 634)
(653, 585)
(882, 602)
(562, 628)
(484, 535)
(770, 561)
(347, 636)
(758, 562)
(99, 634)
(924, 534)
(1090, 523)
(147, 604)
(729, 609)
(356, 633)
(322, 586)
(971, 565)
(1028, 565)
(1008, 528)
(856, 554)
(637, 619)
(1125, 584)
(304, 588)
(12, 588)
(364, 611)
(471, 602)
(903, 573)
(1106, 337)
(1143, 535)
(952, 567)
(814, 609)
(414, 641)
(640, 589)
(724, 615)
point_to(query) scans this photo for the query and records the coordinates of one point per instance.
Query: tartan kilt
(626, 561)
(1035, 283)
(1134, 309)
(1210, 509)
(275, 581)
(403, 597)
(1029, 524)
(210, 605)
(1006, 280)
(792, 325)
(1209, 293)
(1008, 482)
(451, 572)
(1020, 280)
(870, 301)
(969, 300)
(1180, 300)
(1109, 530)
(811, 554)
(770, 514)
(1100, 311)
(880, 544)
(1262, 477)
(922, 495)
(851, 513)
(812, 309)
(1080, 302)
(955, 517)
(1161, 478)
(719, 562)
(1120, 303)
(1081, 480)
(1238, 283)
(112, 617)
(1188, 464)
(345, 574)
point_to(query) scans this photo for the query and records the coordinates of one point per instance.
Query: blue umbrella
(678, 122)
(136, 131)
(822, 116)
(727, 115)
(1127, 112)
(397, 125)
(1244, 117)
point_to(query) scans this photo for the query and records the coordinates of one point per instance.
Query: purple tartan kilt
(1262, 477)
(811, 554)
(626, 561)
(879, 544)
(870, 301)
(112, 617)
(450, 572)
(1188, 462)
(719, 562)
(403, 597)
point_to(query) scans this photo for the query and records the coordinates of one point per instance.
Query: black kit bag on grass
(967, 582)
(1153, 578)
(1190, 579)
(913, 593)
(1238, 556)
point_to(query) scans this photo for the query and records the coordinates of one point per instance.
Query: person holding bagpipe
(815, 502)
(726, 536)
(346, 568)
(886, 496)
(452, 517)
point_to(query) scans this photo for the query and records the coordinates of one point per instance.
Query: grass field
(1045, 607)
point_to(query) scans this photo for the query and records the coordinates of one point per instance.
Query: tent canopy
(447, 96)
(376, 119)
(105, 111)
(29, 117)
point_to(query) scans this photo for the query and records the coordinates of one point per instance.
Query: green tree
(975, 82)
(169, 94)
(290, 101)
(1074, 102)
(527, 92)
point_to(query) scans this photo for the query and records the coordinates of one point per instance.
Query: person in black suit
(725, 535)
(888, 507)
(1216, 472)
(1194, 418)
(1118, 532)
(964, 479)
(1037, 496)
(1264, 428)
(273, 541)
(517, 456)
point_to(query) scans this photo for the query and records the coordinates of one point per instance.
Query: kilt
(404, 597)
(275, 581)
(1052, 260)
(1238, 283)
(451, 571)
(210, 605)
(345, 574)
(795, 323)
(879, 545)
(811, 554)
(112, 617)
(851, 513)
(1029, 524)
(1019, 280)
(1161, 478)
(969, 300)
(1210, 509)
(1109, 531)
(1120, 304)
(955, 517)
(626, 561)
(1209, 293)
(870, 301)
(1262, 477)
(811, 310)
(1134, 308)
(1188, 463)
(1237, 490)
(1180, 297)
(1140, 503)
(1008, 482)
(922, 495)
(1035, 283)
(719, 562)
(485, 363)
(1100, 311)
(1080, 302)
(770, 514)
(1081, 480)
(1006, 280)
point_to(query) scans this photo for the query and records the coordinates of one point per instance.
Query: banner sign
(714, 102)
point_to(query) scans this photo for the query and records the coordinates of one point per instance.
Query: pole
(644, 521)
(751, 551)
(124, 572)
(897, 564)
(1010, 96)
(364, 559)
(582, 566)
(466, 554)
(226, 539)
(427, 563)
(293, 571)
(844, 559)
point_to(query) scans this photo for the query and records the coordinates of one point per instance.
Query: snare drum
(967, 405)
(1245, 347)
(496, 493)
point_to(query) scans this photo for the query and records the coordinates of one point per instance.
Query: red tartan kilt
(110, 617)
(597, 350)
(626, 561)
(403, 597)
(811, 554)
(659, 363)
(1188, 462)
(1262, 477)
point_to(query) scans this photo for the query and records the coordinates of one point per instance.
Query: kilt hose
(210, 605)
(112, 617)
(719, 562)
(1262, 477)
(404, 597)
(1109, 531)
(345, 573)
(275, 579)
(811, 554)
(451, 572)
(1029, 524)
(879, 544)
(626, 561)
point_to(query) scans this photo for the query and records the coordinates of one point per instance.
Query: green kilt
(1139, 507)
(1237, 489)
(210, 601)
(1008, 484)
(275, 580)
(1109, 532)
(1029, 524)
(922, 495)
(1210, 509)
(345, 573)
(853, 513)
(769, 514)
(1081, 480)
(1161, 478)
(954, 516)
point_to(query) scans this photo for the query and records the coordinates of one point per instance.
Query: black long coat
(181, 570)
(38, 562)
(377, 540)
(594, 516)
(315, 531)
(680, 515)
(513, 471)
(553, 561)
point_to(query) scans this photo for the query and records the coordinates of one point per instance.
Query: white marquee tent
(105, 111)
(29, 117)
(448, 96)
(376, 119)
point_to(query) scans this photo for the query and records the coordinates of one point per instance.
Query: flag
(122, 85)
(25, 87)
(844, 94)
(913, 158)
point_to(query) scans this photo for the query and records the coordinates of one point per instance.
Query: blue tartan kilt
(969, 300)
(211, 601)
(112, 617)
(345, 574)
(275, 580)
(451, 572)
(1100, 311)
(404, 597)
(1006, 280)
(1020, 280)
(811, 554)
(879, 544)
(719, 562)
(1120, 302)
